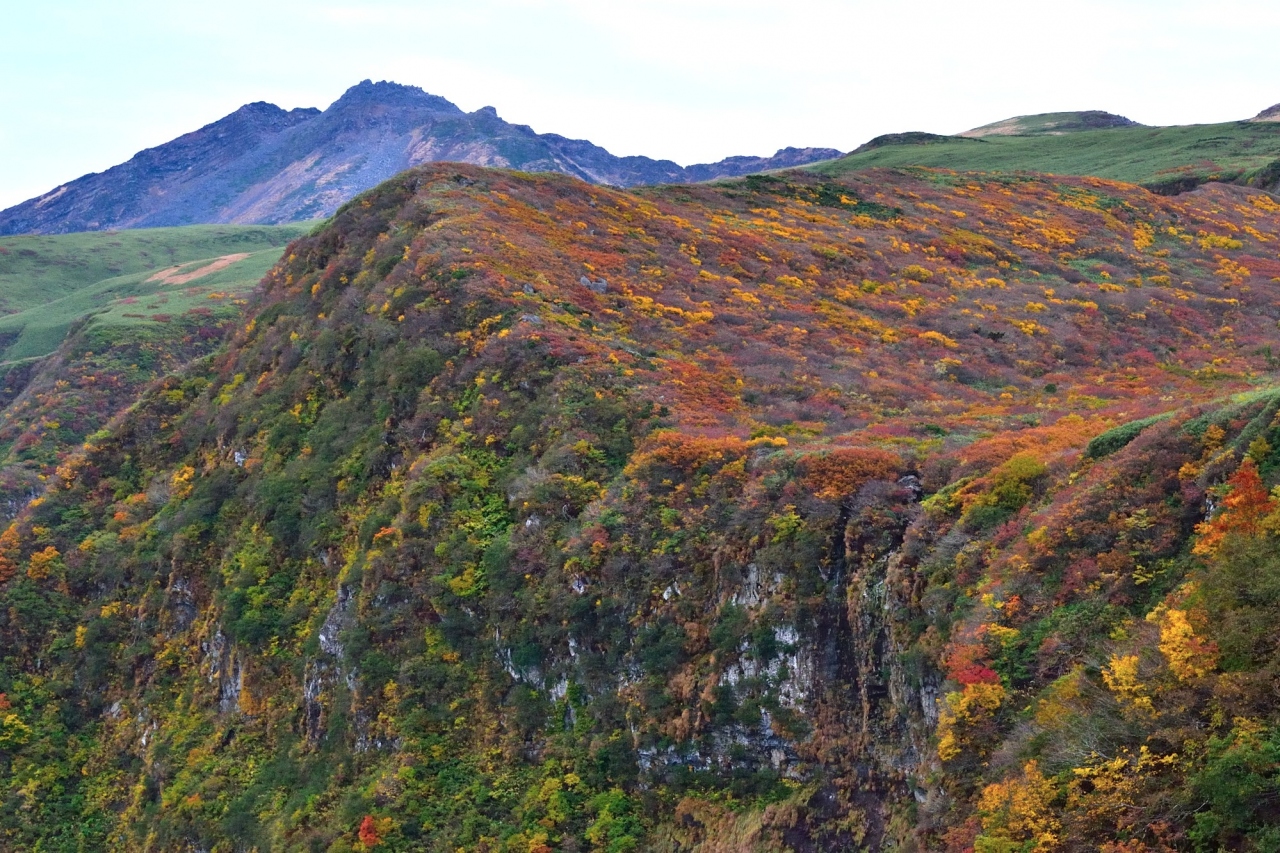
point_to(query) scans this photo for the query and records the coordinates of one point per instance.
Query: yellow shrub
(1121, 678)
(42, 563)
(1019, 810)
(961, 707)
(1215, 241)
(182, 481)
(1188, 655)
(938, 338)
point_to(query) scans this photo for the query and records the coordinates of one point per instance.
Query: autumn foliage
(839, 473)
(901, 511)
(368, 833)
(1245, 507)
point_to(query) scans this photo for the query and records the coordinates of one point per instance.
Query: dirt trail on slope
(172, 275)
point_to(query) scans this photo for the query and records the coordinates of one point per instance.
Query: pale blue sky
(86, 83)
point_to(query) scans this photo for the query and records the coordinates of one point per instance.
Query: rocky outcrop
(1271, 113)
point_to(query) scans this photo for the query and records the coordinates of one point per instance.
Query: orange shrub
(840, 473)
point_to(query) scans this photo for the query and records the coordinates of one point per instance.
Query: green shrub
(1119, 437)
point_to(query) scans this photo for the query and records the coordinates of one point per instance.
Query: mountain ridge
(1053, 124)
(264, 165)
(764, 536)
(1167, 160)
(894, 509)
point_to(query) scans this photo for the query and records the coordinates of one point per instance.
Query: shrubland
(908, 510)
(94, 318)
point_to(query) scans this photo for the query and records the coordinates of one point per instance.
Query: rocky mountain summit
(1271, 113)
(262, 164)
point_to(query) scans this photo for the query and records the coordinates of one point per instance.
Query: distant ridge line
(1051, 124)
(265, 165)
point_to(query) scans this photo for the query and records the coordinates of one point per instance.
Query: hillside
(49, 283)
(788, 513)
(262, 164)
(1163, 159)
(1271, 113)
(93, 318)
(1051, 124)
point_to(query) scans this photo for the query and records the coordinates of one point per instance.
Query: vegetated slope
(101, 316)
(1055, 124)
(48, 283)
(529, 515)
(36, 270)
(262, 164)
(1163, 159)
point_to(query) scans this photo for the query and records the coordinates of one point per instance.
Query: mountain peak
(260, 108)
(1052, 124)
(267, 115)
(385, 93)
(263, 164)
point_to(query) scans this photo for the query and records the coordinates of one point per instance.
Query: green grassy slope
(47, 283)
(1052, 124)
(1162, 158)
(128, 299)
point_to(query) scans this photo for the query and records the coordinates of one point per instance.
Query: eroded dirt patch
(175, 275)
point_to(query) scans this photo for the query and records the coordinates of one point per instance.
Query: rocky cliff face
(262, 164)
